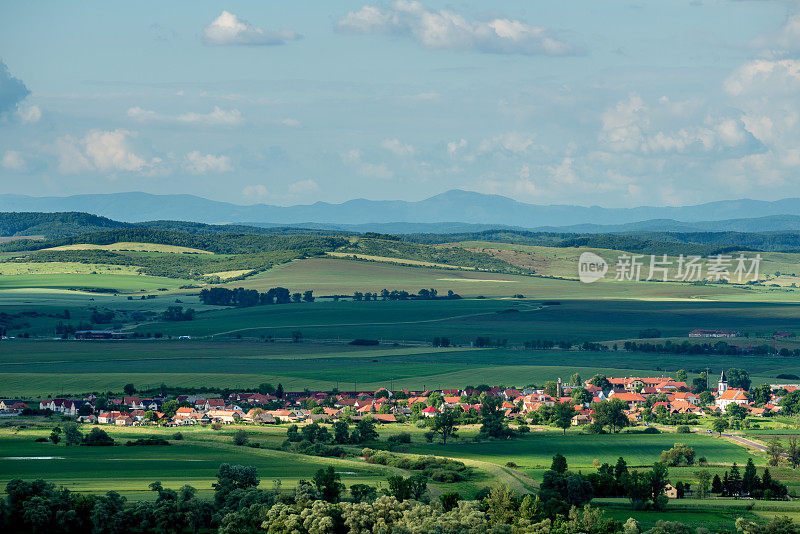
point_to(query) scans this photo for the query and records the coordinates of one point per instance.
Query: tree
(600, 381)
(341, 433)
(774, 451)
(611, 413)
(445, 424)
(279, 391)
(719, 425)
(716, 485)
(551, 388)
(129, 389)
(240, 438)
(761, 395)
(499, 505)
(750, 477)
(308, 296)
(680, 375)
(72, 436)
(328, 483)
(575, 380)
(563, 412)
(580, 396)
(738, 378)
(55, 435)
(363, 492)
(793, 450)
(658, 478)
(492, 418)
(366, 429)
(703, 483)
(559, 464)
(266, 388)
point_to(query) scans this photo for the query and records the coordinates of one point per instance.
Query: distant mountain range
(452, 211)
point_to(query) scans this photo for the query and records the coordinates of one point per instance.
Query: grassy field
(130, 246)
(124, 283)
(41, 368)
(341, 276)
(13, 268)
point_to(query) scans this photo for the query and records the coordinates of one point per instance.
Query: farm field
(131, 246)
(328, 276)
(129, 470)
(463, 320)
(122, 283)
(41, 368)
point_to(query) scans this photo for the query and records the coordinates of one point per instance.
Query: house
(125, 420)
(632, 399)
(430, 411)
(385, 417)
(134, 403)
(670, 491)
(214, 404)
(258, 416)
(224, 416)
(731, 396)
(713, 333)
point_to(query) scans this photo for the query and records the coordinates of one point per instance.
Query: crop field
(129, 470)
(462, 320)
(41, 368)
(107, 282)
(327, 276)
(136, 247)
(14, 268)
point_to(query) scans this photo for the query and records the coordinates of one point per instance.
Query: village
(641, 399)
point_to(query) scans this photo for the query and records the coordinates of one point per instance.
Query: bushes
(152, 440)
(240, 438)
(438, 469)
(683, 429)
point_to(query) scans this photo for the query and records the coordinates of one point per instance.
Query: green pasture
(129, 470)
(119, 282)
(39, 368)
(463, 320)
(327, 276)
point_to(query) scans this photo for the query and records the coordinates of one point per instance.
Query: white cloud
(100, 150)
(228, 29)
(783, 42)
(29, 114)
(510, 142)
(13, 160)
(632, 126)
(290, 123)
(303, 186)
(397, 147)
(366, 169)
(216, 117)
(443, 29)
(765, 76)
(255, 192)
(198, 163)
(454, 146)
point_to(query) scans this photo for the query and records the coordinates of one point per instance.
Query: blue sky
(583, 102)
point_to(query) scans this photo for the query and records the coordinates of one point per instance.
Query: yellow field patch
(477, 280)
(401, 261)
(58, 267)
(135, 247)
(225, 275)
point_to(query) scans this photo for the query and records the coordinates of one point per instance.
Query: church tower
(723, 383)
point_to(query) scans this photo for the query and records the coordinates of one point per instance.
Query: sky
(612, 103)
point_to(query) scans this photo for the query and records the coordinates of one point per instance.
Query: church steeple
(722, 385)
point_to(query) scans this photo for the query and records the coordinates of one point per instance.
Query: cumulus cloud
(453, 147)
(12, 90)
(366, 169)
(509, 142)
(216, 117)
(444, 29)
(197, 163)
(99, 150)
(28, 114)
(397, 147)
(228, 29)
(765, 77)
(13, 160)
(255, 193)
(783, 42)
(633, 126)
(303, 186)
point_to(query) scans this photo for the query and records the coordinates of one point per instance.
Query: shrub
(177, 436)
(152, 440)
(522, 429)
(240, 438)
(511, 465)
(683, 429)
